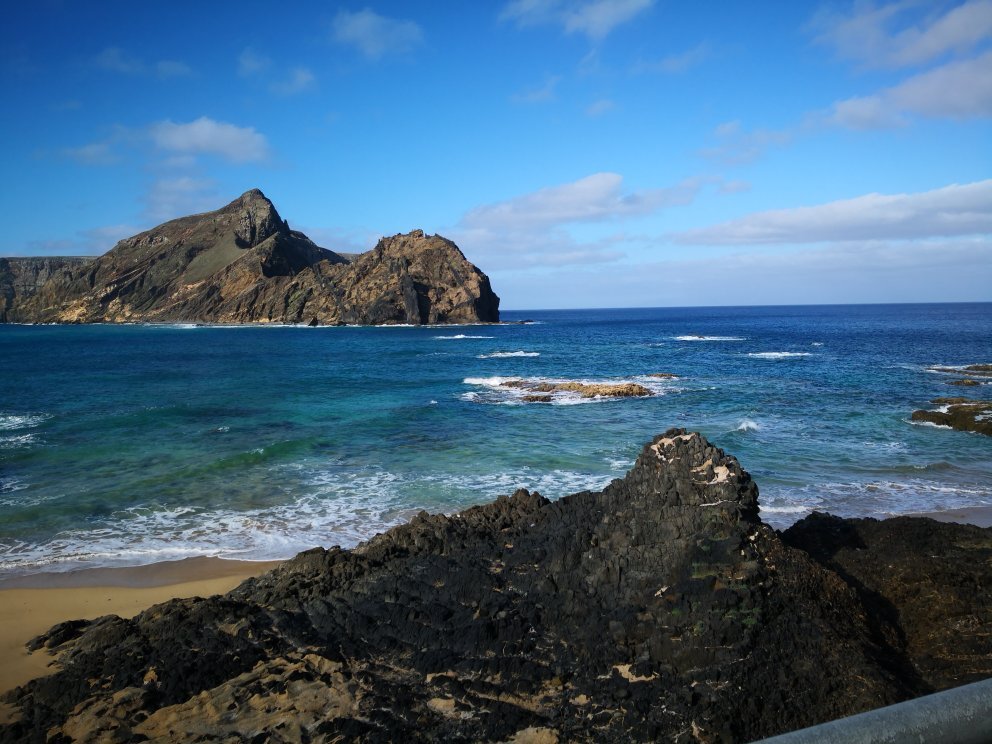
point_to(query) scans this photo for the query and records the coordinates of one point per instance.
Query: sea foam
(779, 354)
(509, 354)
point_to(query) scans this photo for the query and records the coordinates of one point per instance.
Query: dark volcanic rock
(243, 264)
(659, 608)
(963, 414)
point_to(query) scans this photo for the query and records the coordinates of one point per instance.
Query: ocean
(124, 445)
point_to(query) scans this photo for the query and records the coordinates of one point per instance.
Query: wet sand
(980, 516)
(31, 605)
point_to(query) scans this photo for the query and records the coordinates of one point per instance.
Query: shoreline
(30, 605)
(33, 603)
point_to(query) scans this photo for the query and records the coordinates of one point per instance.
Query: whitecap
(488, 381)
(930, 424)
(708, 338)
(14, 421)
(748, 425)
(509, 354)
(21, 440)
(779, 354)
(459, 337)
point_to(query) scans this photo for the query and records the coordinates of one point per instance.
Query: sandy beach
(30, 605)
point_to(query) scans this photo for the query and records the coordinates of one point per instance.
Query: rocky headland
(660, 608)
(243, 264)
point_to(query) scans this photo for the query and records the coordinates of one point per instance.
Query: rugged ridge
(658, 608)
(243, 264)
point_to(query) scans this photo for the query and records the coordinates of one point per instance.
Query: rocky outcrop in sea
(660, 608)
(243, 264)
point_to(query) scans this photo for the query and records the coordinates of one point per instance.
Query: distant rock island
(658, 609)
(243, 264)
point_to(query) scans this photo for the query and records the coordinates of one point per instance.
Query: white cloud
(115, 59)
(957, 90)
(207, 136)
(594, 18)
(533, 230)
(92, 242)
(375, 35)
(170, 68)
(676, 64)
(733, 187)
(300, 79)
(738, 146)
(96, 153)
(169, 198)
(895, 35)
(251, 63)
(595, 198)
(919, 271)
(949, 211)
(545, 92)
(600, 107)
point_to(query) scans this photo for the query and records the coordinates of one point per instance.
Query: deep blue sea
(136, 444)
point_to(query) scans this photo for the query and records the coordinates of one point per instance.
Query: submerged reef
(658, 608)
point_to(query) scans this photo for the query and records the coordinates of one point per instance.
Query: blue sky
(584, 153)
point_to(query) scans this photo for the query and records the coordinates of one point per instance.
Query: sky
(583, 153)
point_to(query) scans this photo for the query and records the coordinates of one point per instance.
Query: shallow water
(136, 444)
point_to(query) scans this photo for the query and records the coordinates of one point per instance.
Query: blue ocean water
(134, 444)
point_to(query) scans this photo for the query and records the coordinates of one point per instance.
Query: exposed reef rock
(545, 390)
(660, 608)
(974, 370)
(963, 414)
(243, 264)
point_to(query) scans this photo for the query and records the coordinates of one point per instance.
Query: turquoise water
(133, 444)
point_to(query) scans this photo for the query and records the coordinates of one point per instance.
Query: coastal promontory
(243, 264)
(660, 608)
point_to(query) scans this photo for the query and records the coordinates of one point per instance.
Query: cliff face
(243, 264)
(658, 609)
(21, 278)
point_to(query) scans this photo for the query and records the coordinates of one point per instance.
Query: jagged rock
(243, 264)
(962, 414)
(660, 608)
(966, 382)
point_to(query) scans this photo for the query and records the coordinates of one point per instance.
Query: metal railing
(962, 715)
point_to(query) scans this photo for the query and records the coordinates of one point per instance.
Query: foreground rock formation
(659, 608)
(243, 264)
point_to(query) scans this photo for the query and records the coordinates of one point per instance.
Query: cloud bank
(949, 211)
